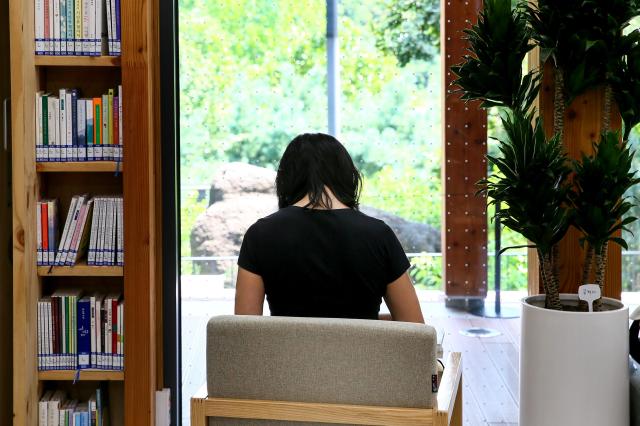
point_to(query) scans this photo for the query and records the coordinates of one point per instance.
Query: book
(77, 27)
(84, 333)
(71, 128)
(55, 409)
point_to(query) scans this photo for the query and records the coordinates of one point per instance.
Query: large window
(253, 75)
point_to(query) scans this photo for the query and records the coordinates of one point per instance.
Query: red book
(44, 224)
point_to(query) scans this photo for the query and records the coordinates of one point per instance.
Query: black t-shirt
(323, 263)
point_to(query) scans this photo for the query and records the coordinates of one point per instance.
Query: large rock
(241, 194)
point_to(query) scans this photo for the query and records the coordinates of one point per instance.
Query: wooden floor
(490, 364)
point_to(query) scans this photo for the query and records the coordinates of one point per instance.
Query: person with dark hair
(318, 255)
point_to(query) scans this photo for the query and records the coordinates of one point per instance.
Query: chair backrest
(338, 361)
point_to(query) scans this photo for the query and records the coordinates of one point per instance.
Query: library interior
(357, 212)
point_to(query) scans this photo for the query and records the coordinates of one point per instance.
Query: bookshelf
(132, 392)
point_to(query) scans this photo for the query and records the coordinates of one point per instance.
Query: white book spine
(93, 236)
(64, 47)
(64, 347)
(49, 43)
(65, 231)
(82, 130)
(114, 49)
(120, 119)
(40, 334)
(120, 222)
(78, 22)
(99, 7)
(39, 26)
(85, 27)
(111, 234)
(90, 130)
(102, 232)
(91, 40)
(51, 213)
(48, 327)
(39, 232)
(39, 128)
(109, 28)
(43, 404)
(58, 140)
(68, 141)
(99, 332)
(64, 110)
(120, 335)
(52, 128)
(78, 235)
(72, 229)
(56, 27)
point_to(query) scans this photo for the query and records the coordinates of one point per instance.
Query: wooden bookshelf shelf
(77, 61)
(70, 375)
(80, 270)
(80, 166)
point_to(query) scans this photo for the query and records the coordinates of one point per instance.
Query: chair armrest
(450, 386)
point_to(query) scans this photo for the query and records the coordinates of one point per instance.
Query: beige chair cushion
(322, 360)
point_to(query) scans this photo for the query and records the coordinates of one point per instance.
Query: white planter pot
(574, 367)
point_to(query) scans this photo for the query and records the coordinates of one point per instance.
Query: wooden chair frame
(448, 409)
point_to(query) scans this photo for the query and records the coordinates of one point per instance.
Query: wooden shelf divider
(79, 166)
(70, 375)
(80, 270)
(77, 61)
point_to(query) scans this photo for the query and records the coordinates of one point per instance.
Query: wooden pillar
(141, 141)
(583, 120)
(464, 231)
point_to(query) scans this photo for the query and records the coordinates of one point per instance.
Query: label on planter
(589, 293)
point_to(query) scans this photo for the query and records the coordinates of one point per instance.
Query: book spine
(77, 235)
(116, 129)
(47, 26)
(93, 236)
(86, 28)
(118, 29)
(65, 232)
(63, 26)
(97, 125)
(105, 127)
(39, 233)
(54, 332)
(74, 124)
(39, 126)
(45, 127)
(110, 124)
(63, 107)
(68, 140)
(120, 138)
(78, 26)
(114, 333)
(102, 232)
(108, 246)
(56, 27)
(73, 232)
(48, 325)
(99, 332)
(39, 26)
(100, 27)
(119, 337)
(89, 125)
(84, 333)
(40, 334)
(71, 48)
(120, 232)
(109, 27)
(44, 231)
(52, 224)
(109, 334)
(82, 130)
(92, 313)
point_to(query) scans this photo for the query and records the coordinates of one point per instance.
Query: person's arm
(249, 293)
(402, 301)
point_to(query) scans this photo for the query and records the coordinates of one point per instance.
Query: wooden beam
(6, 356)
(140, 144)
(464, 144)
(583, 119)
(25, 187)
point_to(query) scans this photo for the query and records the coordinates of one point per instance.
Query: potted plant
(573, 367)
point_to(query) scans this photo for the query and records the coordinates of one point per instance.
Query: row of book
(55, 409)
(77, 27)
(76, 333)
(69, 128)
(93, 229)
